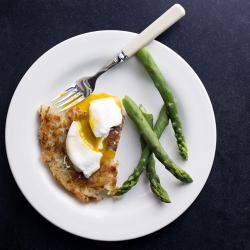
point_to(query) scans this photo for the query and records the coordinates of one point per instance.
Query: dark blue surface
(214, 38)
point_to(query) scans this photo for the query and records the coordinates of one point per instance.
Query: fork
(83, 87)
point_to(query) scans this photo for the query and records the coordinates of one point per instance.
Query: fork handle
(166, 20)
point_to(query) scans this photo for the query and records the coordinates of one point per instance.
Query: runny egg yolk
(86, 132)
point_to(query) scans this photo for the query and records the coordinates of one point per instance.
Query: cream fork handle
(166, 20)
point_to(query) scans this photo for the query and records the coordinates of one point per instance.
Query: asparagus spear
(167, 96)
(132, 180)
(151, 138)
(154, 179)
(155, 184)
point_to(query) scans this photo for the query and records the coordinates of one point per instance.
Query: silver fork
(83, 87)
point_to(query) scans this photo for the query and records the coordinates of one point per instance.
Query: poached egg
(85, 142)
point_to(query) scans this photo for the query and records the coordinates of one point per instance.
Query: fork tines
(68, 98)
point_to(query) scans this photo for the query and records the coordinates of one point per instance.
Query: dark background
(214, 38)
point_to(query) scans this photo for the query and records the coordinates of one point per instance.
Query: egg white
(104, 113)
(81, 155)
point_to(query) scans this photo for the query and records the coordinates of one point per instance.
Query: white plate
(139, 212)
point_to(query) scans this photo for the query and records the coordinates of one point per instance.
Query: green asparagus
(154, 179)
(152, 141)
(167, 96)
(155, 184)
(132, 180)
(149, 118)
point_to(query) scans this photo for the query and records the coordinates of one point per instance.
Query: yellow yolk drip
(86, 131)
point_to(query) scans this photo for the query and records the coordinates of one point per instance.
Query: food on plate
(85, 142)
(132, 180)
(160, 83)
(150, 137)
(79, 145)
(151, 174)
(152, 141)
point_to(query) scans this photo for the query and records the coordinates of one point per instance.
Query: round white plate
(138, 213)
